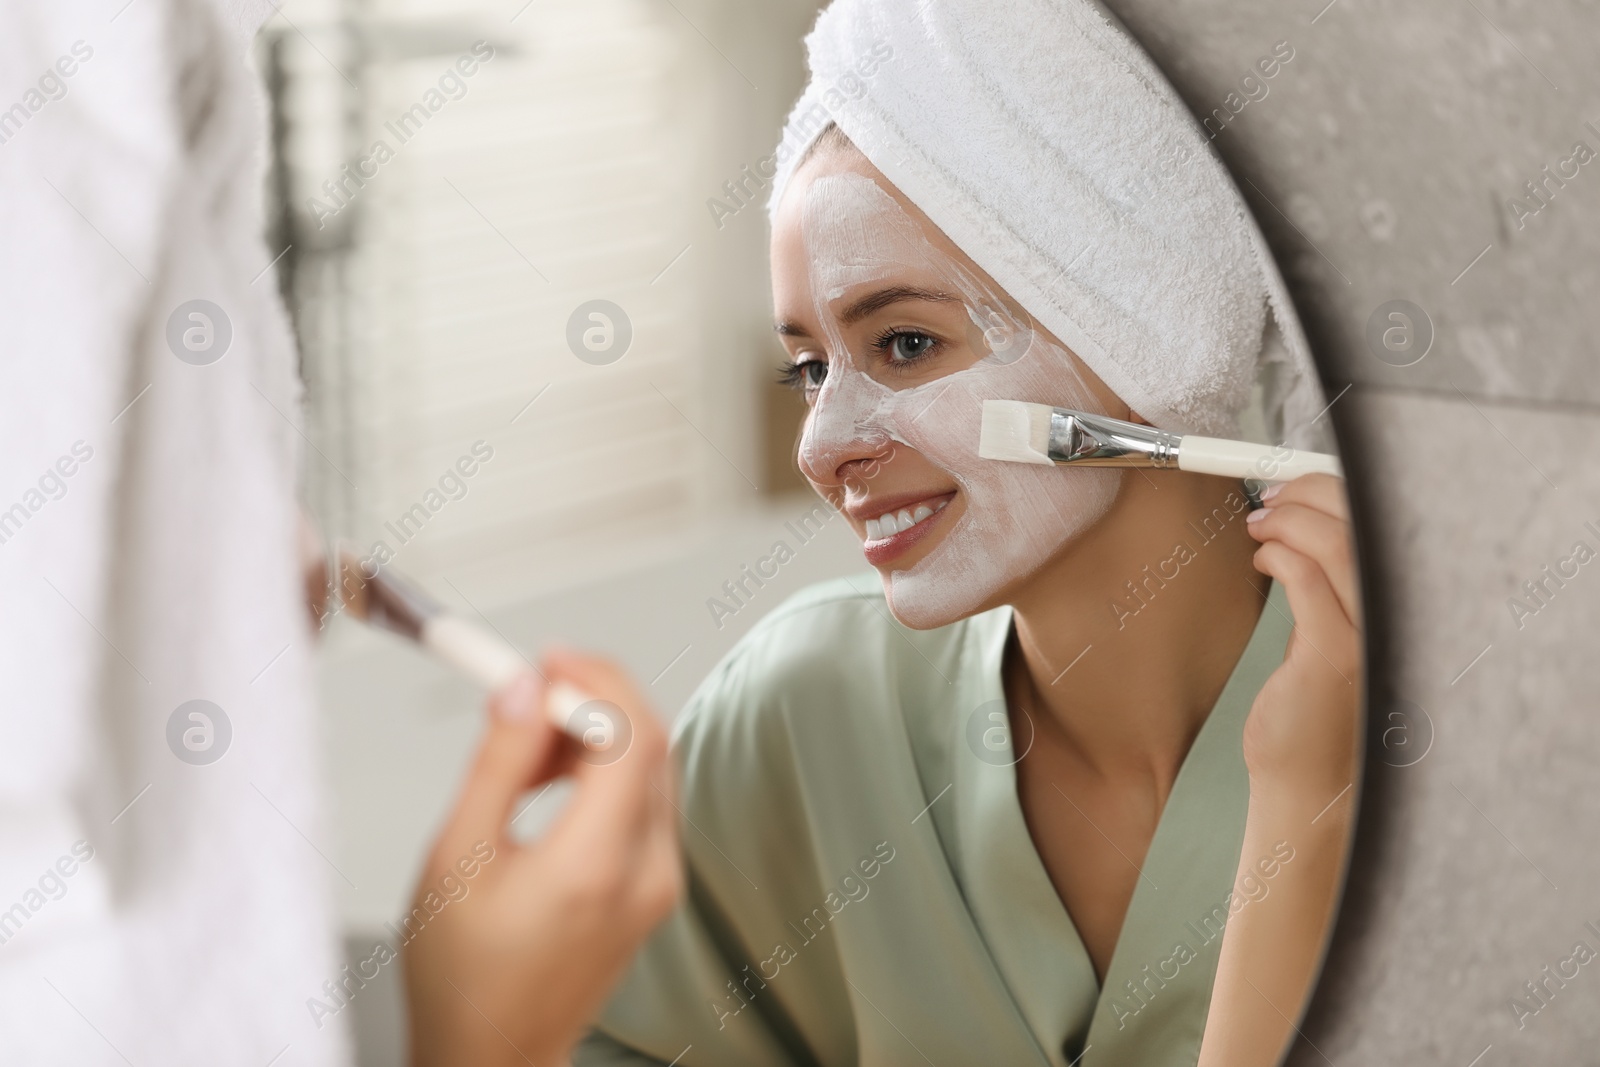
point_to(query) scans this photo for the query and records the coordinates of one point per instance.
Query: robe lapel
(1031, 937)
(1152, 1010)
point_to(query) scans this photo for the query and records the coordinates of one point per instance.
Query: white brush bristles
(1015, 432)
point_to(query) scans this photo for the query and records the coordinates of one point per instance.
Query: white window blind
(434, 297)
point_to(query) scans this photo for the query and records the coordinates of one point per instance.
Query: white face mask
(1017, 515)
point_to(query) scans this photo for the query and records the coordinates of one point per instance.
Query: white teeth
(892, 522)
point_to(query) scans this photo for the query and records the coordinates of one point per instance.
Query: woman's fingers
(615, 843)
(518, 746)
(622, 783)
(1321, 491)
(1314, 533)
(598, 677)
(1319, 617)
(659, 883)
(621, 796)
(526, 961)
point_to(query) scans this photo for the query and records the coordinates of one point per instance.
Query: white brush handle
(1242, 459)
(492, 663)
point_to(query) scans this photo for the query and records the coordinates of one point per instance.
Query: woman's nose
(844, 432)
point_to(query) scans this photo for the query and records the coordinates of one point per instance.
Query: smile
(892, 532)
(891, 523)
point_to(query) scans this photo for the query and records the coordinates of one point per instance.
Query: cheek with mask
(1015, 516)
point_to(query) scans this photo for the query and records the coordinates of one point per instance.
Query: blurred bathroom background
(453, 187)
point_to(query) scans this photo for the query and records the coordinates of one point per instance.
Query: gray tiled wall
(1478, 868)
(1383, 160)
(1381, 164)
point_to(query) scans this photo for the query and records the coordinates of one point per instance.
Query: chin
(925, 598)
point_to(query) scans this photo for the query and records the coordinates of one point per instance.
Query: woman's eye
(906, 346)
(806, 375)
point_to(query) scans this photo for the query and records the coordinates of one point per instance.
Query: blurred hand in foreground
(516, 958)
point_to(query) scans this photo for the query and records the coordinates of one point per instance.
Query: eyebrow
(873, 301)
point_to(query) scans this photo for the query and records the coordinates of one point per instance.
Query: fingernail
(1271, 491)
(520, 701)
(1257, 515)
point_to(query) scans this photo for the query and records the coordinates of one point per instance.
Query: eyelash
(886, 341)
(792, 373)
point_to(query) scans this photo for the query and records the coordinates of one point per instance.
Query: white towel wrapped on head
(1044, 142)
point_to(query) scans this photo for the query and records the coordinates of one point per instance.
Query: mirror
(982, 760)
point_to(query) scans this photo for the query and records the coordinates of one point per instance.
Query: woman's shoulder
(852, 600)
(841, 628)
(831, 654)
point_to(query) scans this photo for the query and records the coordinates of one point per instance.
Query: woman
(1003, 808)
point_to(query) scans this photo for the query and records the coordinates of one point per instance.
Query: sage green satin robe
(862, 887)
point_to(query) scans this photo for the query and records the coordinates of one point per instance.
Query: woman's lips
(893, 532)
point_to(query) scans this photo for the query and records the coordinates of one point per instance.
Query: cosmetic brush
(1018, 432)
(389, 602)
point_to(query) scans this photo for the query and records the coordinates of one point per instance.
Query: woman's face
(897, 338)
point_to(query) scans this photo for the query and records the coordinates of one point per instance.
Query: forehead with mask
(898, 338)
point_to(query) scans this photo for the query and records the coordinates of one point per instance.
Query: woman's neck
(1128, 636)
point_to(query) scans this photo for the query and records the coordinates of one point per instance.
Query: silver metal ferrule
(1099, 441)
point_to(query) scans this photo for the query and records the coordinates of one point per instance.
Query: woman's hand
(1300, 748)
(513, 961)
(1300, 738)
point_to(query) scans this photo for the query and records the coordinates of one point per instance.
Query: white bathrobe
(153, 910)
